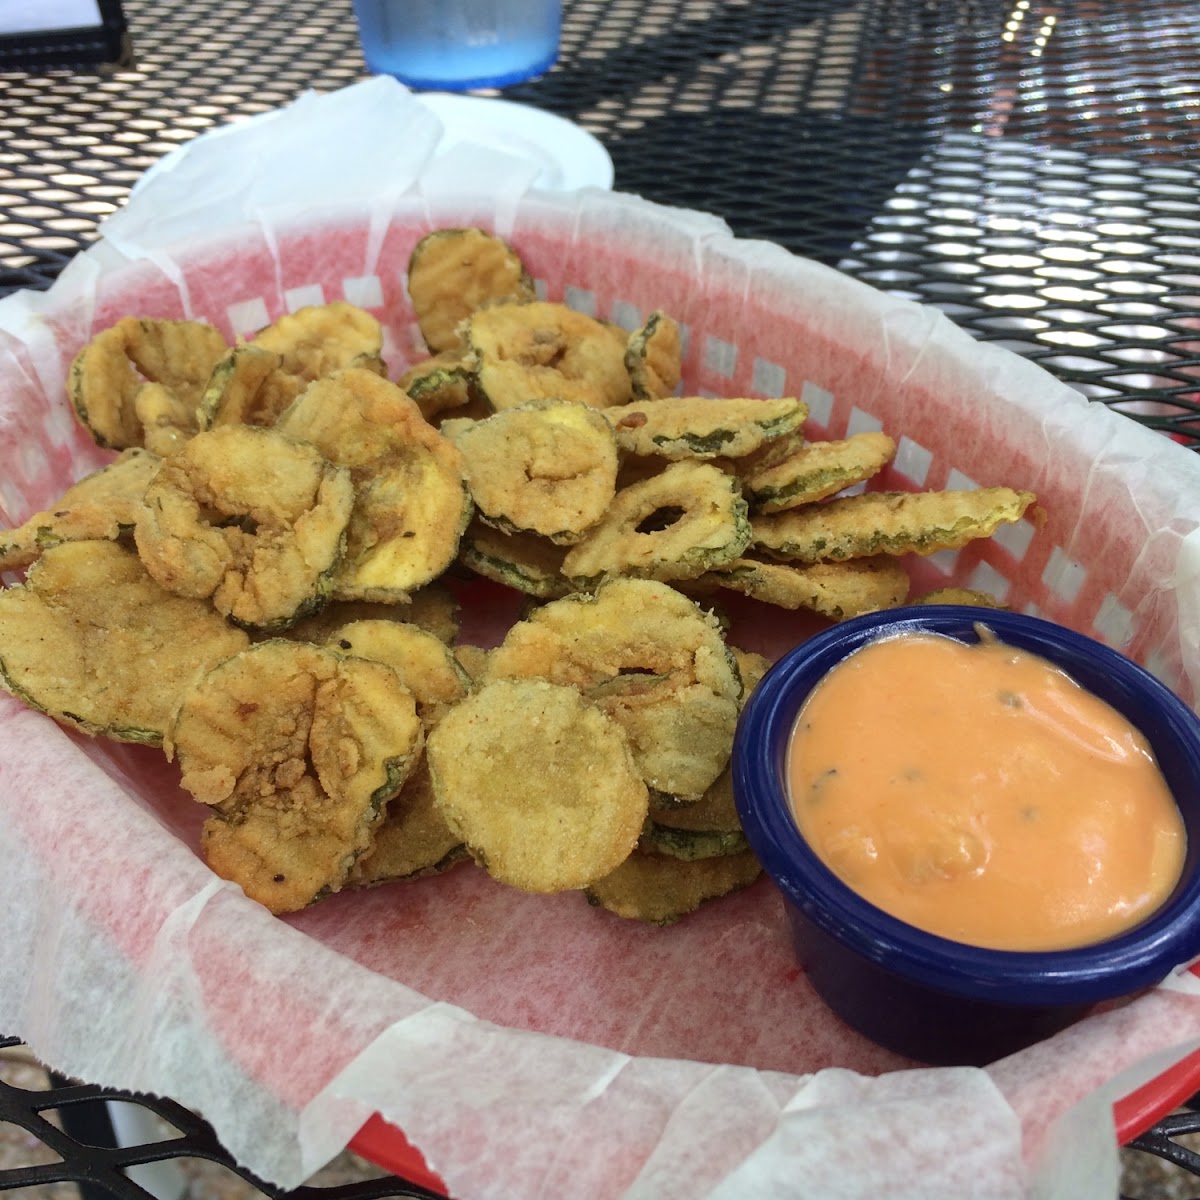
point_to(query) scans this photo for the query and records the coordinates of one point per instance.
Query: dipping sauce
(979, 793)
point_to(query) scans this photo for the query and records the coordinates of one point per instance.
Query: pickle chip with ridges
(248, 386)
(453, 272)
(544, 351)
(549, 467)
(659, 888)
(539, 784)
(837, 590)
(319, 339)
(108, 374)
(249, 518)
(654, 357)
(297, 749)
(102, 505)
(648, 657)
(411, 502)
(424, 663)
(817, 470)
(440, 385)
(888, 523)
(699, 427)
(91, 640)
(412, 841)
(687, 520)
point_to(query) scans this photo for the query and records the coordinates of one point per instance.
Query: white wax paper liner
(128, 964)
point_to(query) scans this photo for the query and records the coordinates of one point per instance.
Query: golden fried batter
(660, 889)
(654, 357)
(432, 608)
(817, 470)
(250, 518)
(411, 502)
(549, 467)
(248, 387)
(453, 272)
(649, 658)
(94, 642)
(955, 595)
(543, 351)
(676, 525)
(507, 765)
(888, 523)
(699, 427)
(319, 339)
(109, 373)
(297, 749)
(522, 561)
(102, 505)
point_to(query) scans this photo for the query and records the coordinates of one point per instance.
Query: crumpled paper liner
(529, 1045)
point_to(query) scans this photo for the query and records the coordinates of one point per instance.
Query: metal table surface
(1028, 166)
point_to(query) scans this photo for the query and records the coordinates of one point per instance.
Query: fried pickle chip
(543, 351)
(109, 373)
(956, 595)
(522, 561)
(660, 889)
(432, 608)
(249, 518)
(453, 272)
(440, 385)
(319, 339)
(296, 749)
(472, 659)
(102, 505)
(699, 427)
(888, 523)
(817, 470)
(412, 841)
(648, 657)
(676, 525)
(549, 467)
(167, 421)
(248, 386)
(690, 844)
(424, 663)
(93, 641)
(654, 357)
(837, 590)
(411, 502)
(538, 783)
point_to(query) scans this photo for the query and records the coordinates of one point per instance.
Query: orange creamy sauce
(979, 793)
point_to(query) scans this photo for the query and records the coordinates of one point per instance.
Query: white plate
(570, 157)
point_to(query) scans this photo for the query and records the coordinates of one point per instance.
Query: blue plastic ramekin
(924, 996)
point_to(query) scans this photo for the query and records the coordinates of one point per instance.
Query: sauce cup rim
(1117, 966)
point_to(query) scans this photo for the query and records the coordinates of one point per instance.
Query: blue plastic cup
(453, 45)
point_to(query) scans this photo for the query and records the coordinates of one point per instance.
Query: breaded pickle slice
(648, 657)
(432, 608)
(167, 420)
(690, 844)
(102, 505)
(888, 523)
(441, 384)
(956, 595)
(248, 386)
(297, 749)
(424, 663)
(250, 519)
(108, 374)
(654, 357)
(413, 840)
(522, 561)
(689, 519)
(837, 590)
(411, 503)
(817, 470)
(543, 351)
(660, 889)
(93, 641)
(538, 783)
(453, 272)
(319, 339)
(549, 467)
(699, 427)
(473, 659)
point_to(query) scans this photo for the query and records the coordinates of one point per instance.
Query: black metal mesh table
(1028, 166)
